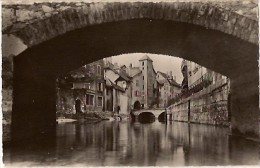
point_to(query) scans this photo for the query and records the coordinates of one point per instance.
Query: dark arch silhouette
(137, 105)
(78, 106)
(162, 117)
(146, 117)
(36, 69)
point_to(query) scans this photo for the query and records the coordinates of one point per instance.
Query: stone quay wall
(209, 106)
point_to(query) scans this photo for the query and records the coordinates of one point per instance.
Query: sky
(161, 63)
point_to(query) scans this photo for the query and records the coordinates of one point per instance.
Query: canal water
(122, 143)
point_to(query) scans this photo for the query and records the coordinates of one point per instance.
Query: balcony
(202, 82)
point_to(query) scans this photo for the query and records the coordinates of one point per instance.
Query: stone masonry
(36, 23)
(209, 106)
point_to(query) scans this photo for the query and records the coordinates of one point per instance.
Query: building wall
(137, 88)
(149, 80)
(109, 74)
(175, 91)
(7, 88)
(167, 91)
(209, 106)
(109, 99)
(123, 103)
(94, 74)
(151, 83)
(124, 97)
(195, 72)
(66, 99)
(118, 98)
(143, 67)
(164, 95)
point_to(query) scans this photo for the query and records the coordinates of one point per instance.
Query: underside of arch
(36, 69)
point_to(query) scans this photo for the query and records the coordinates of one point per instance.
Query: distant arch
(137, 105)
(162, 117)
(78, 106)
(146, 117)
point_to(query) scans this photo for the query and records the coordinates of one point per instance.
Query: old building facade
(117, 89)
(104, 86)
(168, 88)
(83, 87)
(149, 80)
(137, 101)
(144, 83)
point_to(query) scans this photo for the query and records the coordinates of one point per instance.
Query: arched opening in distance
(137, 105)
(146, 117)
(78, 106)
(36, 69)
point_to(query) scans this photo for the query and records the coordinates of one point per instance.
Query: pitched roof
(174, 83)
(163, 74)
(111, 68)
(145, 57)
(134, 71)
(124, 75)
(110, 83)
(162, 81)
(80, 71)
(167, 78)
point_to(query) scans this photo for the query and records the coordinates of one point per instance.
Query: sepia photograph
(95, 83)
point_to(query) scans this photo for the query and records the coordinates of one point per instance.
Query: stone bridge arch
(155, 112)
(218, 38)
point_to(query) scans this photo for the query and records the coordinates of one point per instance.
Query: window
(100, 101)
(142, 63)
(79, 85)
(99, 70)
(89, 99)
(143, 87)
(100, 87)
(136, 83)
(87, 85)
(137, 93)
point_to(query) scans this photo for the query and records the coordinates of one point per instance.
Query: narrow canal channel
(122, 143)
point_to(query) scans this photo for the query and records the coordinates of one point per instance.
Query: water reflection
(134, 144)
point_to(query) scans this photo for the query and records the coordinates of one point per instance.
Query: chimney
(170, 74)
(130, 65)
(175, 78)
